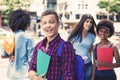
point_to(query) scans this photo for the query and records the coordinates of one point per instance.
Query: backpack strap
(111, 45)
(12, 55)
(59, 54)
(60, 48)
(95, 51)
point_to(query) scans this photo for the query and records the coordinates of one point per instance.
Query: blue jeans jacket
(24, 46)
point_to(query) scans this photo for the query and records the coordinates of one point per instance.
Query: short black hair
(48, 12)
(19, 20)
(106, 23)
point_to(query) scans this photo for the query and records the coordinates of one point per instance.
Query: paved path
(3, 69)
(4, 63)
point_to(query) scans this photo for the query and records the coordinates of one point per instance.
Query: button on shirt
(55, 71)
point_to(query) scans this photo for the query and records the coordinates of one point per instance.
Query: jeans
(88, 71)
(106, 78)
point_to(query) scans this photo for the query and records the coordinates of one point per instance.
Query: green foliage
(11, 5)
(103, 4)
(17, 2)
(110, 6)
(115, 8)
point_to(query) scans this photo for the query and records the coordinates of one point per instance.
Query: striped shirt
(55, 71)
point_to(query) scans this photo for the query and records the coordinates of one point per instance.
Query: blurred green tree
(112, 6)
(11, 5)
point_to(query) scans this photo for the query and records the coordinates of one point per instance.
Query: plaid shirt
(55, 71)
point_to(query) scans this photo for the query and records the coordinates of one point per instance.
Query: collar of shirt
(51, 44)
(19, 31)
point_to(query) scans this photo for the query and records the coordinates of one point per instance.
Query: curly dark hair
(19, 20)
(106, 23)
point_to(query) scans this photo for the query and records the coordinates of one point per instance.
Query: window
(86, 6)
(77, 16)
(67, 16)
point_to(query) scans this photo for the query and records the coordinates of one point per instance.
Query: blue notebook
(43, 61)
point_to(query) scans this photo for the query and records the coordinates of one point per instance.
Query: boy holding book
(60, 67)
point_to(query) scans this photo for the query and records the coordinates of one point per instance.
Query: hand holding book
(42, 63)
(104, 55)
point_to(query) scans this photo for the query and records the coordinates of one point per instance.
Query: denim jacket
(24, 46)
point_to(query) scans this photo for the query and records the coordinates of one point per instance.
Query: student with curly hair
(104, 51)
(23, 49)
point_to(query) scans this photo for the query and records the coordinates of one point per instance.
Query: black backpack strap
(95, 51)
(110, 45)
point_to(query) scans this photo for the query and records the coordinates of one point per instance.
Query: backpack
(79, 74)
(9, 43)
(79, 66)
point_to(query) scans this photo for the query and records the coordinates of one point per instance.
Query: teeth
(49, 30)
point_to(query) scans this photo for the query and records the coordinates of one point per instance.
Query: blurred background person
(82, 37)
(23, 48)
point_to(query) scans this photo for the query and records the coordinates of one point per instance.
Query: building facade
(71, 11)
